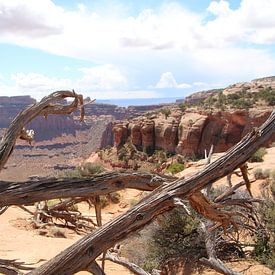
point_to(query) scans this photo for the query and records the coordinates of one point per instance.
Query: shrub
(266, 173)
(264, 250)
(88, 169)
(176, 237)
(84, 170)
(260, 174)
(57, 232)
(175, 168)
(166, 112)
(115, 197)
(133, 202)
(258, 155)
(103, 201)
(183, 106)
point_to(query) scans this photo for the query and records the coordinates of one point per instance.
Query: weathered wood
(213, 261)
(45, 107)
(95, 269)
(33, 191)
(82, 253)
(131, 266)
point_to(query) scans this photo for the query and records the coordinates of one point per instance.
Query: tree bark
(131, 266)
(80, 255)
(12, 193)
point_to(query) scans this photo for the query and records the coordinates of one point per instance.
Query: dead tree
(82, 254)
(48, 105)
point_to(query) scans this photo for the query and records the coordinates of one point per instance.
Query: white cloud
(220, 8)
(252, 22)
(29, 18)
(167, 80)
(38, 81)
(82, 33)
(99, 82)
(104, 77)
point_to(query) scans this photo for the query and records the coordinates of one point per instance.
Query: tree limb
(131, 266)
(28, 192)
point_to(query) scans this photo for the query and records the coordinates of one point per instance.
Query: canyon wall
(191, 133)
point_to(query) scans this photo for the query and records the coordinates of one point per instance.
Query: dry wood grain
(14, 193)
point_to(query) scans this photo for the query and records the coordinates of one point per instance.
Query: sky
(133, 49)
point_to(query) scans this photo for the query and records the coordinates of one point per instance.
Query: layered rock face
(191, 133)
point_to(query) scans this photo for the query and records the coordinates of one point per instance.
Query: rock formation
(192, 133)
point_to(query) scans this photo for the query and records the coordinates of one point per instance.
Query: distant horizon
(124, 102)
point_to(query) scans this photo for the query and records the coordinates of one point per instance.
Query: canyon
(62, 142)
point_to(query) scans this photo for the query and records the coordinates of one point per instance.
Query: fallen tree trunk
(81, 255)
(34, 191)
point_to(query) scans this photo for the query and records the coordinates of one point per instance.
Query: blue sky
(129, 49)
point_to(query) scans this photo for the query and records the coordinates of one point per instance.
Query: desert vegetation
(239, 100)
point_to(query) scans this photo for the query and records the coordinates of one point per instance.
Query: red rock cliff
(191, 133)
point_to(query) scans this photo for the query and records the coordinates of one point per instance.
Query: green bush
(264, 250)
(258, 174)
(176, 237)
(166, 112)
(88, 169)
(175, 168)
(84, 170)
(115, 197)
(133, 202)
(258, 155)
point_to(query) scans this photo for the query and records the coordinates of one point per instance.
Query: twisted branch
(48, 105)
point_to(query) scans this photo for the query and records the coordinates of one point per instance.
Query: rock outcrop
(190, 134)
(255, 86)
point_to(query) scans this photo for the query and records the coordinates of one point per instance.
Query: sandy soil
(19, 242)
(267, 164)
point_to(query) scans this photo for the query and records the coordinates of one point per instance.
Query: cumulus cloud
(29, 18)
(167, 80)
(220, 8)
(104, 77)
(102, 82)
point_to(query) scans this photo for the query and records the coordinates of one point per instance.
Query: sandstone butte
(191, 132)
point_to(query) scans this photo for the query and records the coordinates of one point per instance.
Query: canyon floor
(18, 241)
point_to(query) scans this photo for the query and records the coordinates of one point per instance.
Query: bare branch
(131, 266)
(42, 190)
